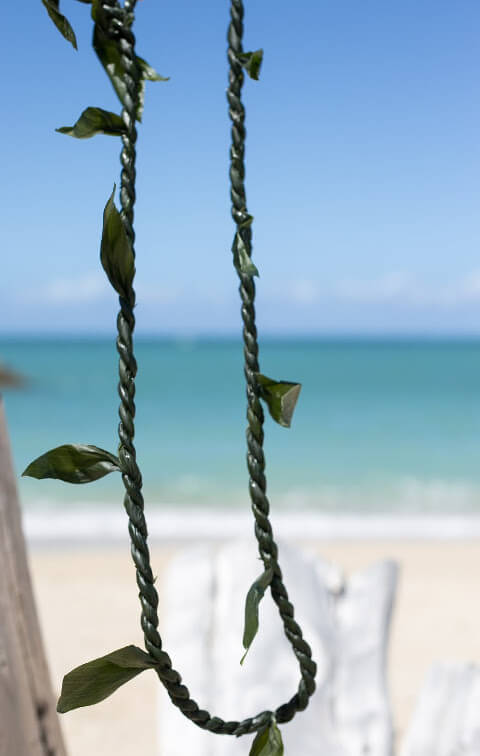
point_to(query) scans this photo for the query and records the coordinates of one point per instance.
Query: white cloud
(153, 294)
(303, 292)
(391, 286)
(471, 286)
(81, 290)
(94, 288)
(405, 288)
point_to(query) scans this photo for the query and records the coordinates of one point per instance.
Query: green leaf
(147, 74)
(241, 258)
(110, 57)
(116, 252)
(95, 121)
(96, 11)
(251, 61)
(60, 21)
(280, 396)
(254, 596)
(96, 680)
(109, 54)
(268, 742)
(73, 463)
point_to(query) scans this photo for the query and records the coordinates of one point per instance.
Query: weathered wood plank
(28, 721)
(362, 707)
(446, 720)
(346, 621)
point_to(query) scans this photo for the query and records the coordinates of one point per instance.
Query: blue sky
(363, 165)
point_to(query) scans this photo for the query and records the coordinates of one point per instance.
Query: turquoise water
(381, 426)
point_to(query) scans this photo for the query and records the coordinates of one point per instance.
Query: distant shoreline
(10, 379)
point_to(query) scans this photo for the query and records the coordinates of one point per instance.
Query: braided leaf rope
(85, 463)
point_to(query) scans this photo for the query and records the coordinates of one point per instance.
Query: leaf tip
(252, 62)
(61, 708)
(27, 473)
(281, 398)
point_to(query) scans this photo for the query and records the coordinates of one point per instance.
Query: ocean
(382, 427)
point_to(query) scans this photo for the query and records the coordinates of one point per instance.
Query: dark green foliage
(95, 121)
(116, 251)
(268, 742)
(110, 57)
(254, 596)
(73, 463)
(96, 680)
(60, 21)
(251, 61)
(241, 258)
(280, 397)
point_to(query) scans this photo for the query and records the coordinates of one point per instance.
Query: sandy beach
(88, 606)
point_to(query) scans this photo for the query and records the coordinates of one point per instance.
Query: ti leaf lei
(94, 681)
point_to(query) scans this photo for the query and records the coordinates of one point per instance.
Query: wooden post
(29, 724)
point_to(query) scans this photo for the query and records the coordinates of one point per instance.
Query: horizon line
(144, 335)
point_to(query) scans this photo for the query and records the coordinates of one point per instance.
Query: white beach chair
(446, 721)
(346, 622)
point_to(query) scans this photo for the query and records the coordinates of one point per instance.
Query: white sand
(88, 606)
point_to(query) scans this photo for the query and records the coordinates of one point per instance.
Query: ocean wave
(405, 495)
(110, 525)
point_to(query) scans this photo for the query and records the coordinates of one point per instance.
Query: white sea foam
(169, 524)
(408, 508)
